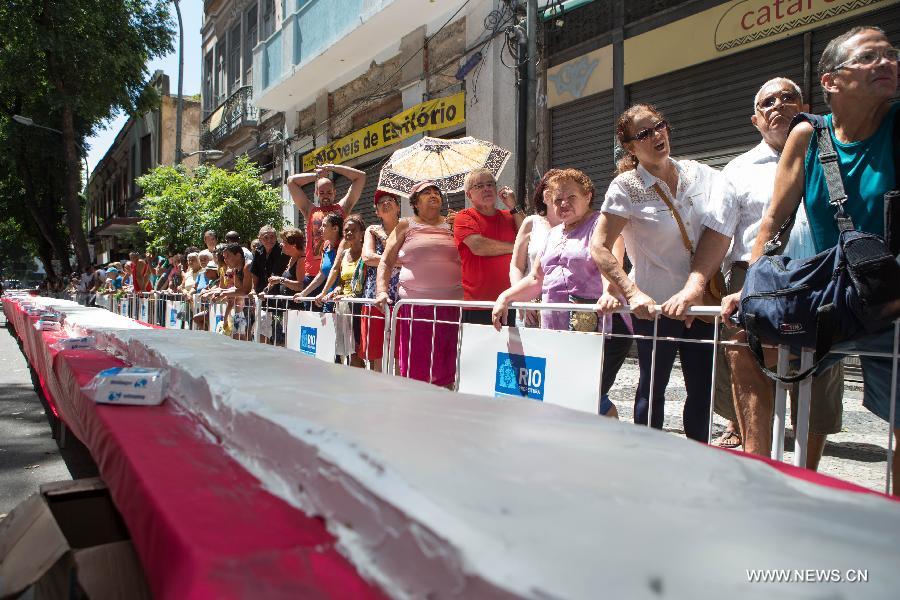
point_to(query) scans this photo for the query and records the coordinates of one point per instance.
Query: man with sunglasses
(743, 393)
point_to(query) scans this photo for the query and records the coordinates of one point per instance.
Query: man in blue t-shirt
(858, 73)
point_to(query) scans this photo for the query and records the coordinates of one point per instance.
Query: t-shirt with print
(484, 277)
(314, 240)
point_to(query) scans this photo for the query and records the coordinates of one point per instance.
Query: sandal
(729, 439)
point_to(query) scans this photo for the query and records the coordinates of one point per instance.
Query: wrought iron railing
(237, 111)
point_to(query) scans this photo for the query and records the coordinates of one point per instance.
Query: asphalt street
(29, 455)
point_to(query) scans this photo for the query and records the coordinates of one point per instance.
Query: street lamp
(29, 122)
(213, 154)
(178, 152)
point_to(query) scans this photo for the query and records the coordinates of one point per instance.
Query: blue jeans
(876, 372)
(696, 365)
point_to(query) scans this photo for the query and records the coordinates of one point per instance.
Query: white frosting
(448, 495)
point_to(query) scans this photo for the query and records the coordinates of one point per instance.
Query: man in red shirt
(485, 236)
(313, 214)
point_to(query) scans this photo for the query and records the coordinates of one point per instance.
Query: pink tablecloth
(203, 527)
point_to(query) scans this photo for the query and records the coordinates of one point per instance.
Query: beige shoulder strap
(685, 239)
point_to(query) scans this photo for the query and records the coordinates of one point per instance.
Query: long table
(202, 526)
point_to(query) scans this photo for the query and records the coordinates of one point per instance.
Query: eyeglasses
(481, 186)
(786, 97)
(645, 134)
(868, 58)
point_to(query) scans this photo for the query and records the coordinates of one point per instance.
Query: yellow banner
(422, 118)
(731, 27)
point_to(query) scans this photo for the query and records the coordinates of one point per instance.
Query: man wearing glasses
(484, 236)
(858, 74)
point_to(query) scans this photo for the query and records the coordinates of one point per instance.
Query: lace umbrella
(445, 162)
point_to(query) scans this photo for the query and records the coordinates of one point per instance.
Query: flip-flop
(729, 439)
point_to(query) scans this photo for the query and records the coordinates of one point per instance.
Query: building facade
(353, 78)
(144, 142)
(699, 61)
(231, 121)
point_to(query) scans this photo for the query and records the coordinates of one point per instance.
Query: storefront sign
(422, 118)
(732, 27)
(588, 74)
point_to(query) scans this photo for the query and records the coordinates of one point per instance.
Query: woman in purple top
(566, 273)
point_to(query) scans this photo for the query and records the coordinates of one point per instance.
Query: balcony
(236, 112)
(322, 43)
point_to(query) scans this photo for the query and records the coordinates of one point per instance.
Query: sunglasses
(645, 134)
(768, 102)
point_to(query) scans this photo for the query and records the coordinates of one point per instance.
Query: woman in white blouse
(639, 205)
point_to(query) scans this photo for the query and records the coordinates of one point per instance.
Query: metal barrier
(283, 321)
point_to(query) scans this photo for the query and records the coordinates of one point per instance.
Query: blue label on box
(520, 376)
(308, 340)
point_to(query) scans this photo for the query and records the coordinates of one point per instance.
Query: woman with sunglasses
(645, 203)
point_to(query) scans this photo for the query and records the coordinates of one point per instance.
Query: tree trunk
(72, 202)
(32, 207)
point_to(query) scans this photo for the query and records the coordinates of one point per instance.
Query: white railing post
(801, 434)
(780, 412)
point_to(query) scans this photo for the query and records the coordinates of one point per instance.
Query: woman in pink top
(423, 248)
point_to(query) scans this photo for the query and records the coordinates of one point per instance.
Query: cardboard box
(69, 541)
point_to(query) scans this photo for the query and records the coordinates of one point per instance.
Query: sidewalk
(29, 455)
(857, 454)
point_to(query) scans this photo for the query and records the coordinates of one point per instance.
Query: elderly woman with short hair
(564, 272)
(423, 247)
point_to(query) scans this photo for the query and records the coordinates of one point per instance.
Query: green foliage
(178, 207)
(69, 66)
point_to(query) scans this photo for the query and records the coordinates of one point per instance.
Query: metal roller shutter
(887, 19)
(709, 105)
(582, 137)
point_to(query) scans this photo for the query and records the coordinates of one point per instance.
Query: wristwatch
(515, 210)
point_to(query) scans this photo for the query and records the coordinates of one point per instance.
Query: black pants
(483, 317)
(696, 365)
(614, 353)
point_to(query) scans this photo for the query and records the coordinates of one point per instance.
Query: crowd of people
(663, 231)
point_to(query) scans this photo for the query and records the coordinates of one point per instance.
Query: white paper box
(129, 385)
(87, 342)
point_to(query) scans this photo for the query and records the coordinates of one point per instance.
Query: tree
(87, 60)
(178, 207)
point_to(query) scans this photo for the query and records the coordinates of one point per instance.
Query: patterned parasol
(445, 162)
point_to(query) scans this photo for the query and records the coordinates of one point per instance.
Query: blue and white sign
(144, 309)
(123, 307)
(308, 340)
(520, 376)
(311, 333)
(554, 367)
(173, 307)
